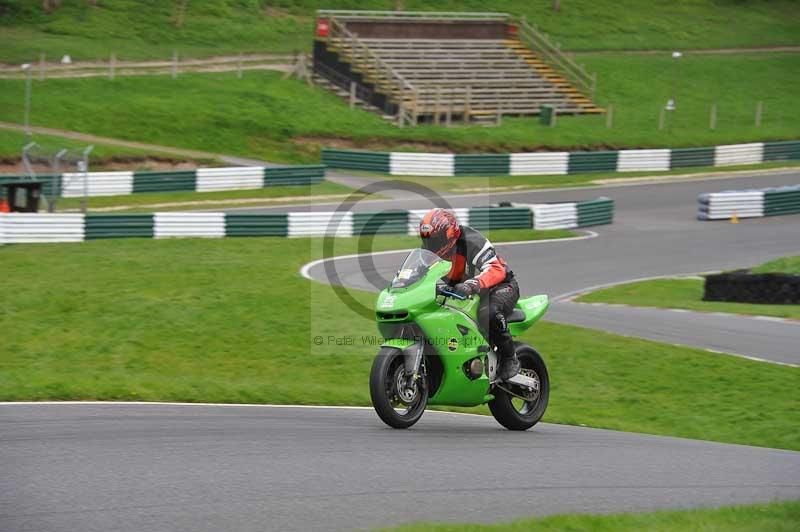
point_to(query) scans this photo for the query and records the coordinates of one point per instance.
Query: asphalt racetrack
(133, 467)
(655, 233)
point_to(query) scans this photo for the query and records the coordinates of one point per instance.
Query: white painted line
(258, 405)
(754, 359)
(772, 318)
(307, 267)
(677, 310)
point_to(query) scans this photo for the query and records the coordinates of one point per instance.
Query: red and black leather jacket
(475, 258)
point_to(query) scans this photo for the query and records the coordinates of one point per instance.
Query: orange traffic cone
(4, 206)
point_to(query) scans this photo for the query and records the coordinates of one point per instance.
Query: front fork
(413, 361)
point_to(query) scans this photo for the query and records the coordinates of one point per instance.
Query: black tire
(503, 406)
(382, 387)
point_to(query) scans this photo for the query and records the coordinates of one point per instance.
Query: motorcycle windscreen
(414, 268)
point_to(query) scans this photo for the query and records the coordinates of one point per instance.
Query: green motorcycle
(433, 352)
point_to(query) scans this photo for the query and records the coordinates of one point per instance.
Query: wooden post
(41, 66)
(449, 116)
(553, 117)
(112, 65)
(352, 95)
(174, 64)
(467, 96)
(759, 108)
(661, 119)
(239, 66)
(712, 119)
(499, 117)
(610, 116)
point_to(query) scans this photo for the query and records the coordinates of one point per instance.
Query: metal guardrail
(552, 54)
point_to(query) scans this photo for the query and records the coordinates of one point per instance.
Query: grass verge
(263, 116)
(777, 517)
(688, 294)
(182, 201)
(782, 265)
(231, 320)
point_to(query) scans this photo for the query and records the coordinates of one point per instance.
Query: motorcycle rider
(476, 269)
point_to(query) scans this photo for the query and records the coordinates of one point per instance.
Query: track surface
(654, 233)
(208, 468)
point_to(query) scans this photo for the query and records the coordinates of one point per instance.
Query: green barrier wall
(777, 203)
(257, 224)
(483, 164)
(599, 161)
(356, 160)
(118, 226)
(487, 218)
(365, 223)
(595, 212)
(294, 175)
(688, 157)
(163, 181)
(782, 151)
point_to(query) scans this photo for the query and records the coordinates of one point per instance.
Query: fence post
(553, 117)
(174, 64)
(712, 119)
(112, 65)
(41, 66)
(352, 95)
(400, 113)
(759, 108)
(449, 116)
(610, 116)
(239, 66)
(661, 119)
(499, 118)
(415, 113)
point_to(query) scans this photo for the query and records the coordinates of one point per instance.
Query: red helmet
(439, 231)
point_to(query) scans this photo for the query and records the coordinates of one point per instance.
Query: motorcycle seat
(516, 316)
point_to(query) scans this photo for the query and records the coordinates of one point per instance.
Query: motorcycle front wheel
(395, 403)
(522, 409)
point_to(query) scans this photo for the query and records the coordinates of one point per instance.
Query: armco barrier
(70, 185)
(749, 203)
(555, 163)
(30, 228)
(571, 215)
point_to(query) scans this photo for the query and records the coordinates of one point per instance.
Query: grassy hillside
(146, 320)
(153, 28)
(264, 116)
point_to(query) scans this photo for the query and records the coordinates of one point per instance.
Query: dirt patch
(10, 165)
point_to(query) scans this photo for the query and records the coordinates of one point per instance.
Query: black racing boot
(509, 366)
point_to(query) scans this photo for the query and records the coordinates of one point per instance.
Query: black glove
(467, 288)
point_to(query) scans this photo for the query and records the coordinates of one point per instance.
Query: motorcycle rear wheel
(518, 414)
(396, 410)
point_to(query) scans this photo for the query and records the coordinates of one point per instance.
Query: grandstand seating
(436, 78)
